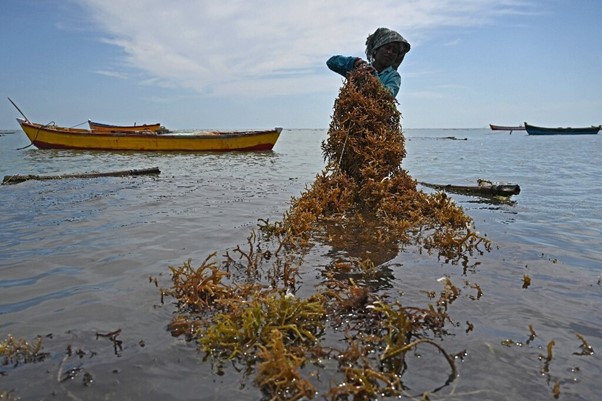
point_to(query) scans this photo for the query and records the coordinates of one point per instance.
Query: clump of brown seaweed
(16, 351)
(246, 308)
(363, 182)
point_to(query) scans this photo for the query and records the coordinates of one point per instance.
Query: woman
(385, 50)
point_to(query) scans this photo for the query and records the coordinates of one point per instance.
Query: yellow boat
(55, 137)
(100, 127)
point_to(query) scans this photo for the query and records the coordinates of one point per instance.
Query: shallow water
(76, 256)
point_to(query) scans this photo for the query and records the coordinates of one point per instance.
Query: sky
(234, 64)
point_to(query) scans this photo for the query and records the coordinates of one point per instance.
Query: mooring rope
(50, 124)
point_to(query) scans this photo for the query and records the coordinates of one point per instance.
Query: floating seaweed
(526, 281)
(278, 372)
(251, 324)
(17, 351)
(586, 349)
(8, 396)
(112, 336)
(246, 307)
(556, 390)
(532, 334)
(548, 357)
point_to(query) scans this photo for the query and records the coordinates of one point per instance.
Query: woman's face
(386, 55)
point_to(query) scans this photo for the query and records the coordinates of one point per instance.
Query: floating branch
(484, 188)
(16, 179)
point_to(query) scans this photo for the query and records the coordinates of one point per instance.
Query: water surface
(76, 256)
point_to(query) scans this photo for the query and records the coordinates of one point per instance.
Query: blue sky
(261, 63)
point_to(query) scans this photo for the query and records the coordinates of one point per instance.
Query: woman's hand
(360, 63)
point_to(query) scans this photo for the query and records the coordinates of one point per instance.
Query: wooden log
(15, 179)
(484, 188)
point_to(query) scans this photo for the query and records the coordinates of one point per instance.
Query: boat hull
(100, 127)
(53, 137)
(506, 128)
(534, 130)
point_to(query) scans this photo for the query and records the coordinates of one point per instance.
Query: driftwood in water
(15, 179)
(484, 188)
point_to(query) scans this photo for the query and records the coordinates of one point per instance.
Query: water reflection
(360, 253)
(69, 161)
(495, 201)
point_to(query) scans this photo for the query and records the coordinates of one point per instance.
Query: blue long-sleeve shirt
(389, 77)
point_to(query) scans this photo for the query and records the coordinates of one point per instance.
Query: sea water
(81, 256)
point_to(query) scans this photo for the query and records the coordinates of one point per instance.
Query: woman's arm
(342, 64)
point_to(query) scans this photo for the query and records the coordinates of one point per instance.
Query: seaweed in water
(278, 371)
(246, 308)
(16, 351)
(364, 183)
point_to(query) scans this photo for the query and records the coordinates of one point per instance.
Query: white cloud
(112, 74)
(241, 47)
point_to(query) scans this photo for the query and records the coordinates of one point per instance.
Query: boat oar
(18, 109)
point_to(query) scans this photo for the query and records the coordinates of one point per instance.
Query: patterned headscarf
(383, 36)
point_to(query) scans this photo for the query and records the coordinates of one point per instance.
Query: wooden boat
(506, 127)
(534, 130)
(100, 127)
(55, 137)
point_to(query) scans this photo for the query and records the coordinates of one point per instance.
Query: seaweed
(586, 349)
(247, 308)
(8, 396)
(253, 321)
(278, 371)
(548, 357)
(112, 336)
(526, 281)
(17, 351)
(364, 184)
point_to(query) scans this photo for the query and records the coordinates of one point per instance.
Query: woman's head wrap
(383, 36)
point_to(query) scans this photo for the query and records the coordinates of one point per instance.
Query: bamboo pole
(15, 179)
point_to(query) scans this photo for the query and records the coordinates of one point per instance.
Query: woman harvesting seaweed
(254, 308)
(385, 50)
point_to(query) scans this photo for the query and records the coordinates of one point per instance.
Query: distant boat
(534, 130)
(55, 137)
(100, 127)
(506, 127)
